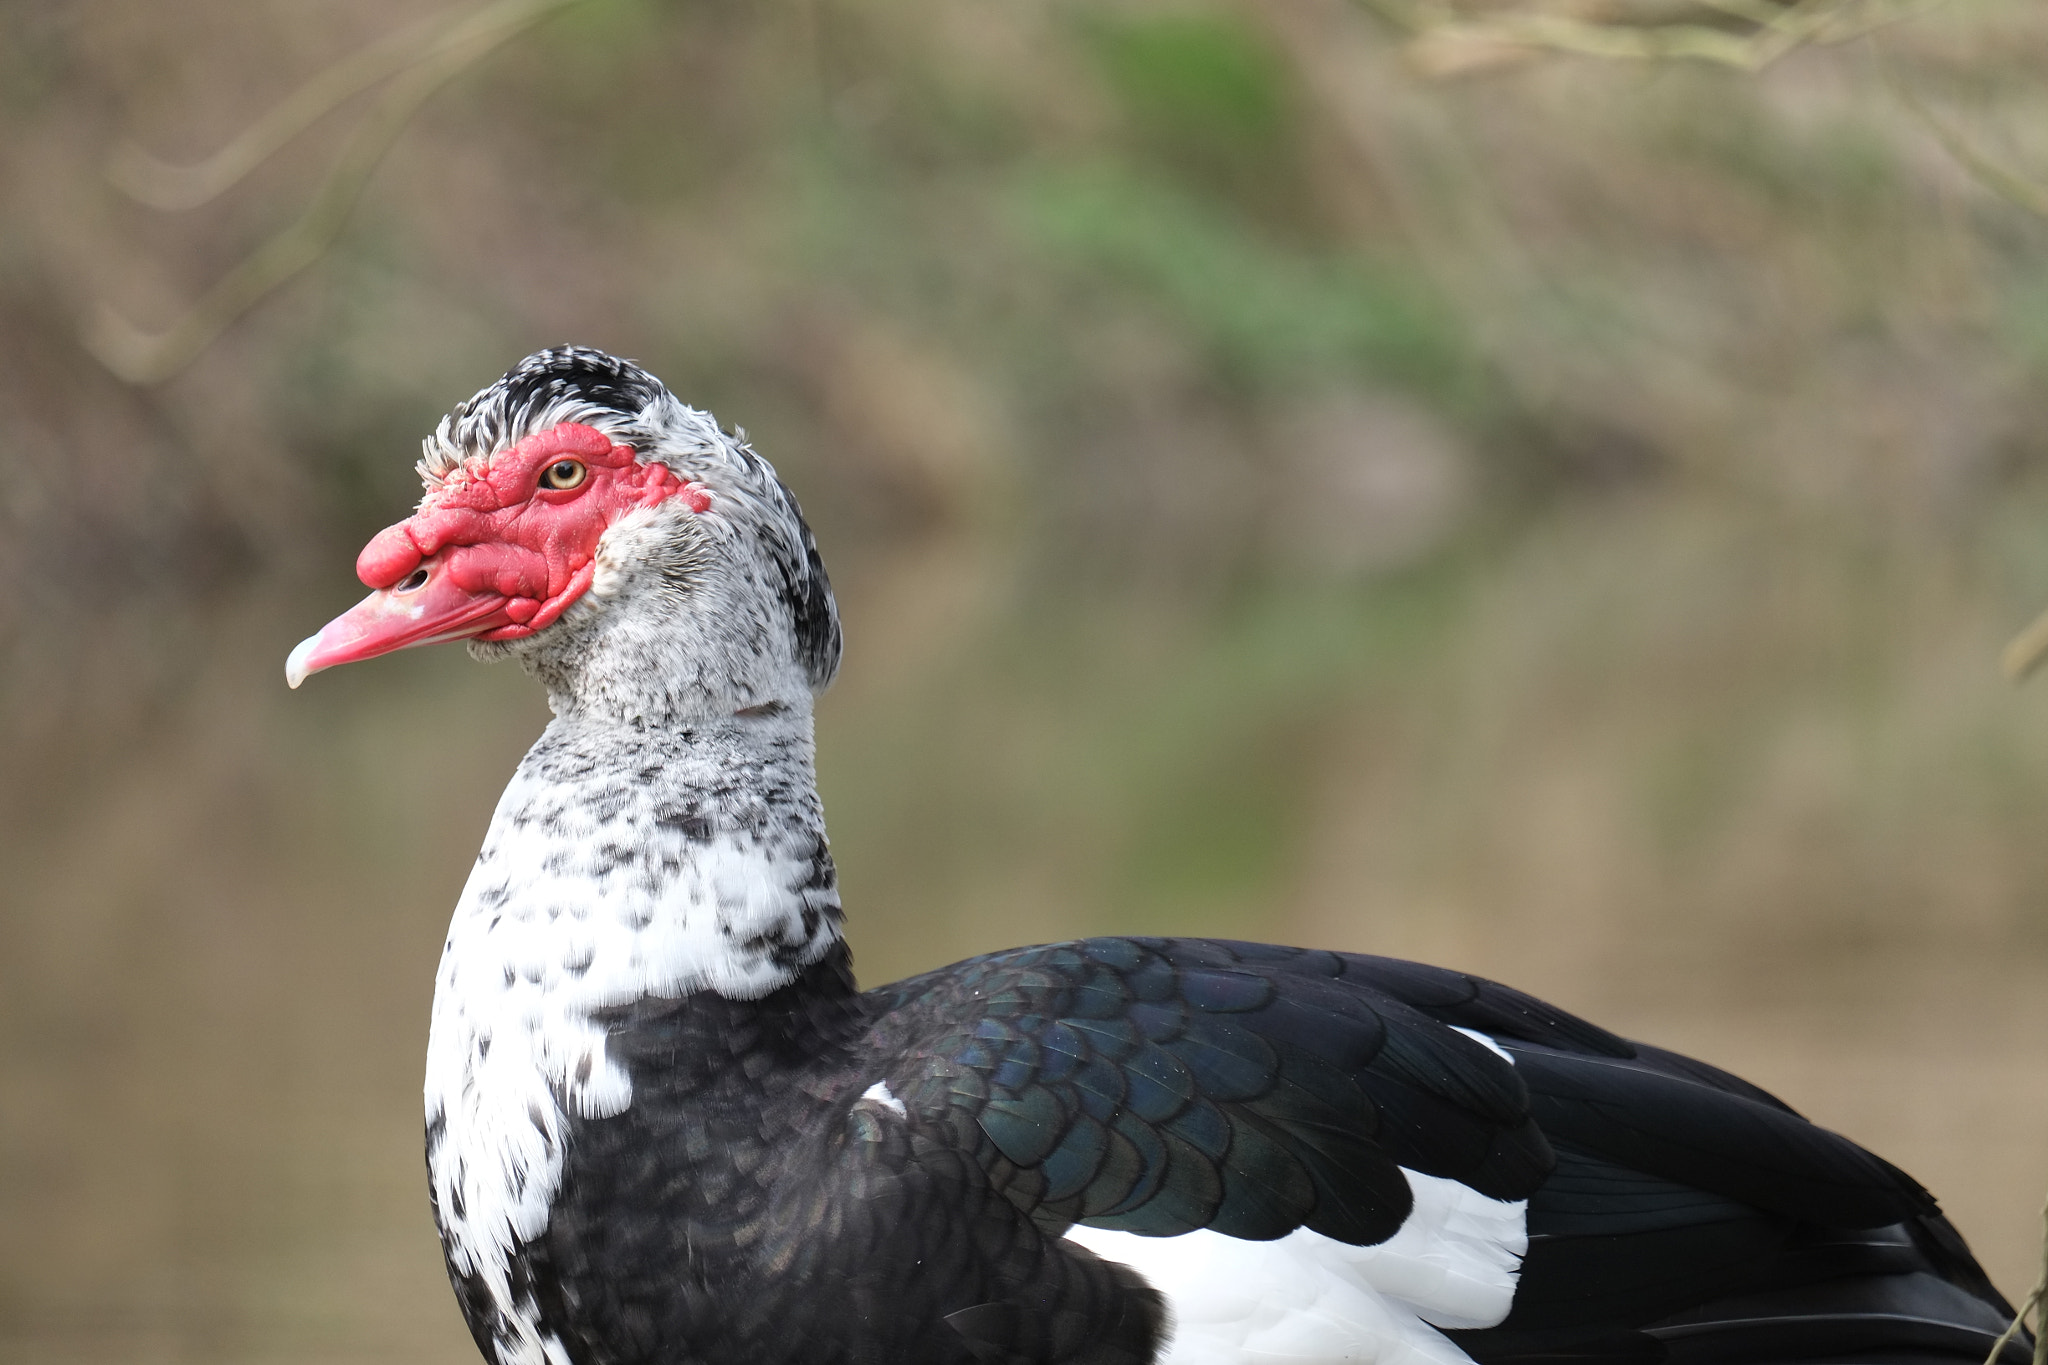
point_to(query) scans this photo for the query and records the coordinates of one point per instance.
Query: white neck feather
(622, 863)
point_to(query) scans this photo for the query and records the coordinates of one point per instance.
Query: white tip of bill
(295, 670)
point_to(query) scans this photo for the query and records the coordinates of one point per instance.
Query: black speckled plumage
(752, 1205)
(749, 1158)
(665, 1128)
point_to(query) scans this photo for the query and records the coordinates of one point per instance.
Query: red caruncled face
(497, 551)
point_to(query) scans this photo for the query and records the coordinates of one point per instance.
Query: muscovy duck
(664, 1125)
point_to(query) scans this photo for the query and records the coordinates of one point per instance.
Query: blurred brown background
(1552, 515)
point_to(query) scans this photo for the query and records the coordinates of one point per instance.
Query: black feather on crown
(561, 384)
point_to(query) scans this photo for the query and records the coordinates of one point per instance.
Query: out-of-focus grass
(1558, 523)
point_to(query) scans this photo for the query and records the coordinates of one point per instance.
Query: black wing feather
(1697, 1214)
(1166, 1085)
(1713, 1139)
(1675, 1212)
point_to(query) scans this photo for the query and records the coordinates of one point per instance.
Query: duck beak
(426, 608)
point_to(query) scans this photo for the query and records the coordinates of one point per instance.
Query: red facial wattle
(494, 552)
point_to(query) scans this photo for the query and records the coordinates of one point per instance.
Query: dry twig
(445, 47)
(2032, 1302)
(1442, 43)
(2027, 649)
(149, 179)
(2001, 180)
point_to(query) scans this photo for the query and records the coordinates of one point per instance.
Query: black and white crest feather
(617, 397)
(564, 384)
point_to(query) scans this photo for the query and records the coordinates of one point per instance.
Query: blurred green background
(1549, 515)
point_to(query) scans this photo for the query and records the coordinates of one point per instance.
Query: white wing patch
(881, 1094)
(1306, 1299)
(1491, 1046)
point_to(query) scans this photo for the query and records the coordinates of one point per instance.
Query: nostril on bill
(413, 581)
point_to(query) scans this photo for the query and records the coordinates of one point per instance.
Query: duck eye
(563, 474)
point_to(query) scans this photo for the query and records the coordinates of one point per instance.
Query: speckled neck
(625, 861)
(703, 840)
(687, 623)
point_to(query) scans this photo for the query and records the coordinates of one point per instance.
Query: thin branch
(2001, 180)
(2027, 650)
(2032, 1302)
(1762, 13)
(1444, 44)
(149, 179)
(142, 357)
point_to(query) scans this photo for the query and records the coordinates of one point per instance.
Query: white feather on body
(1306, 1299)
(881, 1094)
(1489, 1044)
